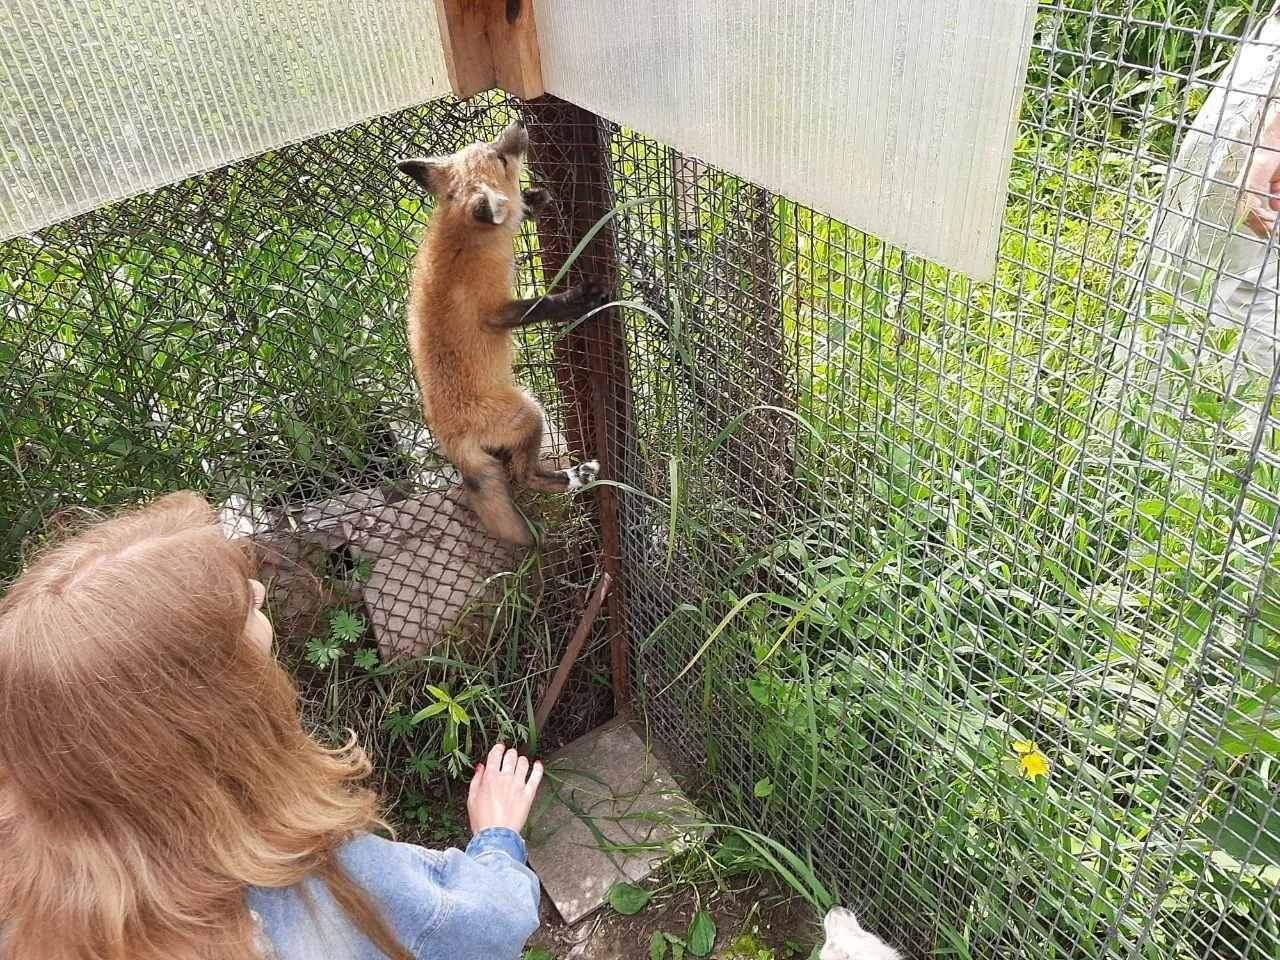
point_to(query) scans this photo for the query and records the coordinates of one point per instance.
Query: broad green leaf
(1254, 724)
(702, 934)
(628, 899)
(1250, 830)
(430, 711)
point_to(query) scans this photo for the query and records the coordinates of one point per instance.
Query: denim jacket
(441, 904)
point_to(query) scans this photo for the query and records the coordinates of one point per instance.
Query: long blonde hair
(152, 763)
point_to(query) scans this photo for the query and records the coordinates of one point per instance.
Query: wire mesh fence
(242, 334)
(968, 591)
(965, 592)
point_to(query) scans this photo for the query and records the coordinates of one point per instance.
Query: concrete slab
(603, 792)
(432, 566)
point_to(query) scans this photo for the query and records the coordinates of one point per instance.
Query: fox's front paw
(591, 293)
(535, 200)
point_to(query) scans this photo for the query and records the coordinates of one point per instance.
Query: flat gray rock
(433, 563)
(604, 791)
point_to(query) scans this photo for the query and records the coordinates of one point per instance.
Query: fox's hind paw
(582, 474)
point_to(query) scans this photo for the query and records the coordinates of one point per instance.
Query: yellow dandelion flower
(1034, 763)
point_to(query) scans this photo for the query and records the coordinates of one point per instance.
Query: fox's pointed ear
(427, 171)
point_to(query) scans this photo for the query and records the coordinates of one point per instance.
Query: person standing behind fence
(159, 799)
(1213, 249)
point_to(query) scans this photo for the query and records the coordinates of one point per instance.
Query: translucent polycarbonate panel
(103, 99)
(896, 116)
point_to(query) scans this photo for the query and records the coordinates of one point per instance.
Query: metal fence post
(569, 156)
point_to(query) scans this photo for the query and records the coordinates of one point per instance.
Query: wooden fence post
(568, 154)
(490, 43)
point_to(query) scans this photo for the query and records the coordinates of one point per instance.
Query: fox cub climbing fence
(965, 591)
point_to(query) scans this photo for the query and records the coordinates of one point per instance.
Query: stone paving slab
(432, 562)
(613, 792)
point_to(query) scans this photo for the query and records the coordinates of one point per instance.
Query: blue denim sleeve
(497, 840)
(489, 905)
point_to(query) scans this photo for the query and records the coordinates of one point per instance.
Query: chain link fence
(966, 592)
(242, 334)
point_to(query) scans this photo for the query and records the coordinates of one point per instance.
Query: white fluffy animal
(846, 940)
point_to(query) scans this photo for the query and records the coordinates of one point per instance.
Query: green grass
(425, 721)
(989, 537)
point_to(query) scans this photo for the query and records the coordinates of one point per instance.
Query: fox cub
(460, 319)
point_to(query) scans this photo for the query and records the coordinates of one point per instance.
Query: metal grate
(967, 593)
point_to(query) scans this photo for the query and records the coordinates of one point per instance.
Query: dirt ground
(774, 918)
(752, 912)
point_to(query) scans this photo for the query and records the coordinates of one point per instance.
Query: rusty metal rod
(576, 644)
(569, 154)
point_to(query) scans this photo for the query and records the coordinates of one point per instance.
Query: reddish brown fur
(460, 318)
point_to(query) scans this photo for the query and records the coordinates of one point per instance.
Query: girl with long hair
(159, 799)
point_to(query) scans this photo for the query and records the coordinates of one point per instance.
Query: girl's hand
(502, 791)
(1261, 200)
